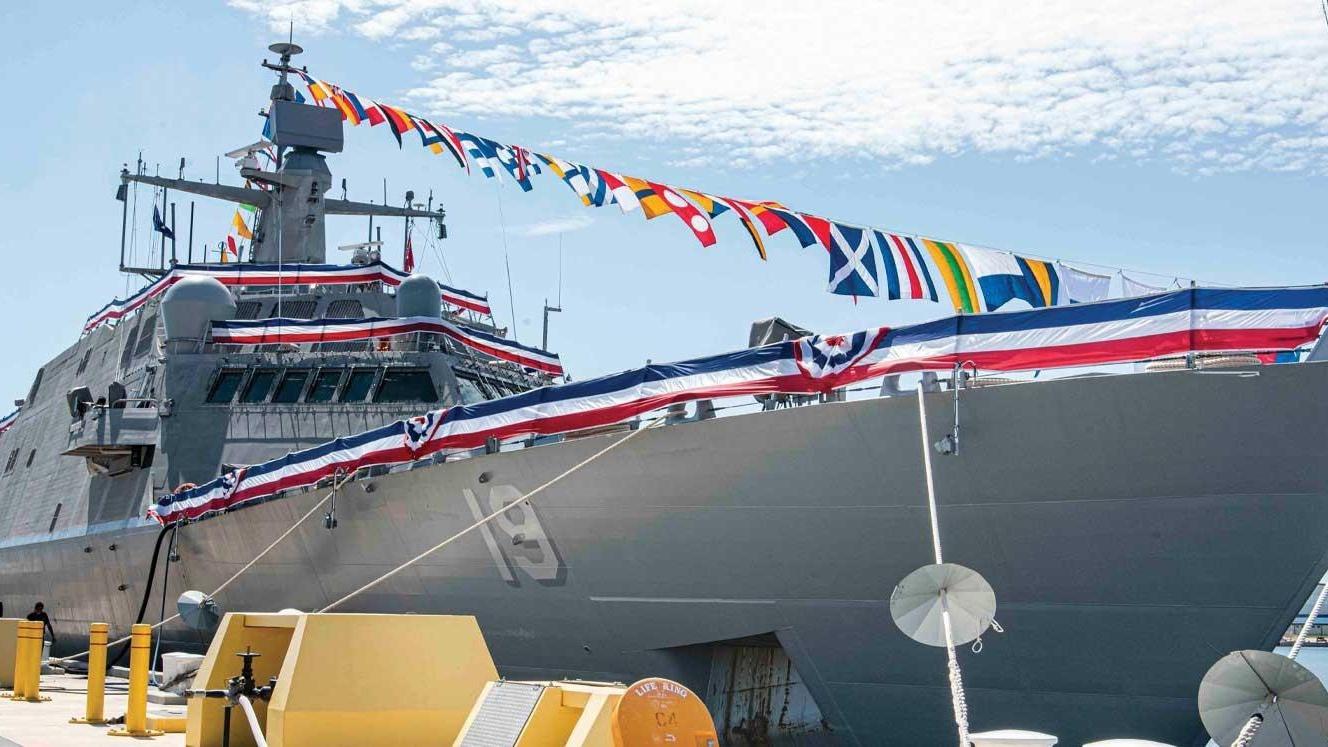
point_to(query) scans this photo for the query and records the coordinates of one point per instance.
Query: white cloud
(549, 227)
(1203, 86)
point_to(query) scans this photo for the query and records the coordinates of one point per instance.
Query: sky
(1185, 139)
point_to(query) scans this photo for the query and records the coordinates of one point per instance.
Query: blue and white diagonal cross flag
(853, 265)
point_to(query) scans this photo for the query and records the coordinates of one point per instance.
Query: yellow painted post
(95, 710)
(136, 712)
(21, 662)
(27, 682)
(35, 634)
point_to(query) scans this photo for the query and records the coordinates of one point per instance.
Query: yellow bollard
(136, 712)
(30, 649)
(21, 663)
(95, 710)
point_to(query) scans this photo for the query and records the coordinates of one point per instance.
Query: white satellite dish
(1292, 700)
(917, 602)
(199, 611)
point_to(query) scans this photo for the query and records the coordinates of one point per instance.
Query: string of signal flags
(863, 261)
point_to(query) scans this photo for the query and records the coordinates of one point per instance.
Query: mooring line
(957, 698)
(523, 499)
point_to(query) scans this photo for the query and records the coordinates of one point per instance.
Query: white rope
(931, 487)
(335, 487)
(1247, 732)
(523, 499)
(957, 699)
(1309, 622)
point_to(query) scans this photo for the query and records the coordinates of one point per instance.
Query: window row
(313, 385)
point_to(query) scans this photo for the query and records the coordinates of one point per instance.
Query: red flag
(687, 212)
(408, 261)
(772, 223)
(820, 227)
(374, 114)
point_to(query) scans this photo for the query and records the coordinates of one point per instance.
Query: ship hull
(1135, 529)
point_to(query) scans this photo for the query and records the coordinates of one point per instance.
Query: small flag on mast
(159, 225)
(408, 261)
(240, 227)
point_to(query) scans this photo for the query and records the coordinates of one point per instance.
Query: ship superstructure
(1136, 527)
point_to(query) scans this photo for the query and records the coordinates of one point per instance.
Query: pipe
(147, 590)
(254, 728)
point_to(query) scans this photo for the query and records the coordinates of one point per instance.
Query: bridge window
(260, 383)
(358, 386)
(345, 308)
(292, 383)
(147, 331)
(13, 457)
(406, 385)
(31, 455)
(302, 309)
(472, 388)
(223, 389)
(55, 517)
(324, 387)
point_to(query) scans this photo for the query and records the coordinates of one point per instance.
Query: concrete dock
(47, 724)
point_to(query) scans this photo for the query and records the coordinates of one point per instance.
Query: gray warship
(1136, 527)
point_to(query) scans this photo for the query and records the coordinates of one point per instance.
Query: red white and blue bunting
(7, 421)
(285, 275)
(272, 331)
(1120, 331)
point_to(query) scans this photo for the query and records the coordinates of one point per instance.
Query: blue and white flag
(852, 262)
(483, 151)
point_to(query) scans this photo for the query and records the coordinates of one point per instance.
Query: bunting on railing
(462, 299)
(1107, 332)
(278, 275)
(294, 331)
(864, 261)
(8, 421)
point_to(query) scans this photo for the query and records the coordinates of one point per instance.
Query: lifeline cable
(952, 661)
(523, 499)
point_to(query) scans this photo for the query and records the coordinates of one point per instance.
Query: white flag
(1132, 288)
(1078, 286)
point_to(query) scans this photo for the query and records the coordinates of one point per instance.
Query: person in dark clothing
(38, 613)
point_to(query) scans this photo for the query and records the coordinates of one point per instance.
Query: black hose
(147, 593)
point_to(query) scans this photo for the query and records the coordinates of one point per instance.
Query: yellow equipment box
(345, 679)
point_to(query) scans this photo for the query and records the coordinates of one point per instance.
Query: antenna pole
(161, 261)
(123, 194)
(544, 345)
(172, 234)
(191, 232)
